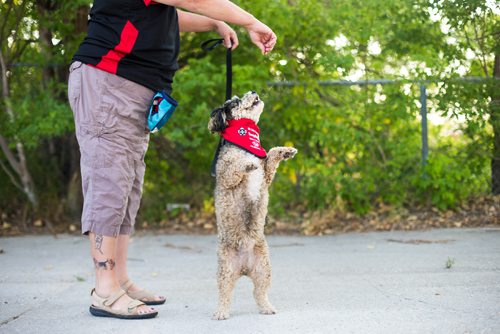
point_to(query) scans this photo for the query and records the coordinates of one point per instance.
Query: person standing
(129, 53)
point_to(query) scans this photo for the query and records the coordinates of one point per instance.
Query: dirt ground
(478, 212)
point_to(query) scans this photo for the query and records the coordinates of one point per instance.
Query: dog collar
(244, 133)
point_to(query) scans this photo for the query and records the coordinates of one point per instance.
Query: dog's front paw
(288, 152)
(268, 310)
(283, 153)
(220, 315)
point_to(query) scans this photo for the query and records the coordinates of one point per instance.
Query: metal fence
(423, 96)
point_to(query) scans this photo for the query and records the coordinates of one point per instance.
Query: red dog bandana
(244, 133)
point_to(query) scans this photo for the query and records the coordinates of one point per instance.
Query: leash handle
(212, 44)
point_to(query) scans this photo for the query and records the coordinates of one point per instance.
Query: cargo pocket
(93, 154)
(97, 161)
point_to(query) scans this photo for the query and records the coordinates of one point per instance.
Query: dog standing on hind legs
(244, 172)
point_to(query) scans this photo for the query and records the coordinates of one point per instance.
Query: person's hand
(227, 33)
(262, 36)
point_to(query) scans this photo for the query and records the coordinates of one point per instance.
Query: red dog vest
(244, 133)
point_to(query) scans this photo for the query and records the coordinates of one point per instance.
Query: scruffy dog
(244, 173)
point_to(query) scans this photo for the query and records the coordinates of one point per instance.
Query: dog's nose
(253, 92)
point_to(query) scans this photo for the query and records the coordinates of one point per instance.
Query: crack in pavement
(40, 302)
(5, 322)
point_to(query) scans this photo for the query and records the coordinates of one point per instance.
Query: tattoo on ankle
(98, 243)
(109, 264)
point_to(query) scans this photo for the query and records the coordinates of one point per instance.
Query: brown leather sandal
(101, 307)
(145, 296)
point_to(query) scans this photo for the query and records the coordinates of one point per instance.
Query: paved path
(391, 282)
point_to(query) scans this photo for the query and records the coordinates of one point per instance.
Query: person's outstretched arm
(190, 22)
(224, 10)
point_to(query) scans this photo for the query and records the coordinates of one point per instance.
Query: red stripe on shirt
(109, 61)
(150, 2)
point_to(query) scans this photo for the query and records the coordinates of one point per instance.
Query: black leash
(209, 46)
(212, 44)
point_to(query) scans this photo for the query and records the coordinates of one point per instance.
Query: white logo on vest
(242, 132)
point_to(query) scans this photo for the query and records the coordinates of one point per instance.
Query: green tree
(358, 146)
(474, 27)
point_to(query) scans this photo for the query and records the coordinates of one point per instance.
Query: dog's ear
(234, 102)
(218, 118)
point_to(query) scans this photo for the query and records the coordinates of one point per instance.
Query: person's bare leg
(103, 250)
(121, 263)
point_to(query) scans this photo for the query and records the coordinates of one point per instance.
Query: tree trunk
(495, 122)
(18, 164)
(65, 154)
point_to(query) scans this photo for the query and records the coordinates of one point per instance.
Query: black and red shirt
(135, 39)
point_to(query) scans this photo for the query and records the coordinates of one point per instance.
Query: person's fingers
(259, 35)
(234, 38)
(264, 39)
(262, 48)
(270, 41)
(227, 41)
(273, 39)
(256, 39)
(267, 37)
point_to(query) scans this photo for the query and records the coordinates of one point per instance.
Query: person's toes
(155, 299)
(145, 310)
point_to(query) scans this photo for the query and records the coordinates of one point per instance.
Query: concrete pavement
(385, 282)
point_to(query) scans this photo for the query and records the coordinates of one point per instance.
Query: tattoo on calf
(98, 242)
(109, 264)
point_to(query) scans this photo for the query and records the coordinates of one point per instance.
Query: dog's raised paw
(288, 152)
(282, 153)
(220, 315)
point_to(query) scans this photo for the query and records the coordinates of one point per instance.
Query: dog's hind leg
(226, 280)
(261, 277)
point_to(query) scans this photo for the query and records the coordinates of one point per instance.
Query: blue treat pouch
(162, 108)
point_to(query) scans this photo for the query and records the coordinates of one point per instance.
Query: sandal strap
(125, 286)
(112, 299)
(139, 295)
(134, 304)
(142, 294)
